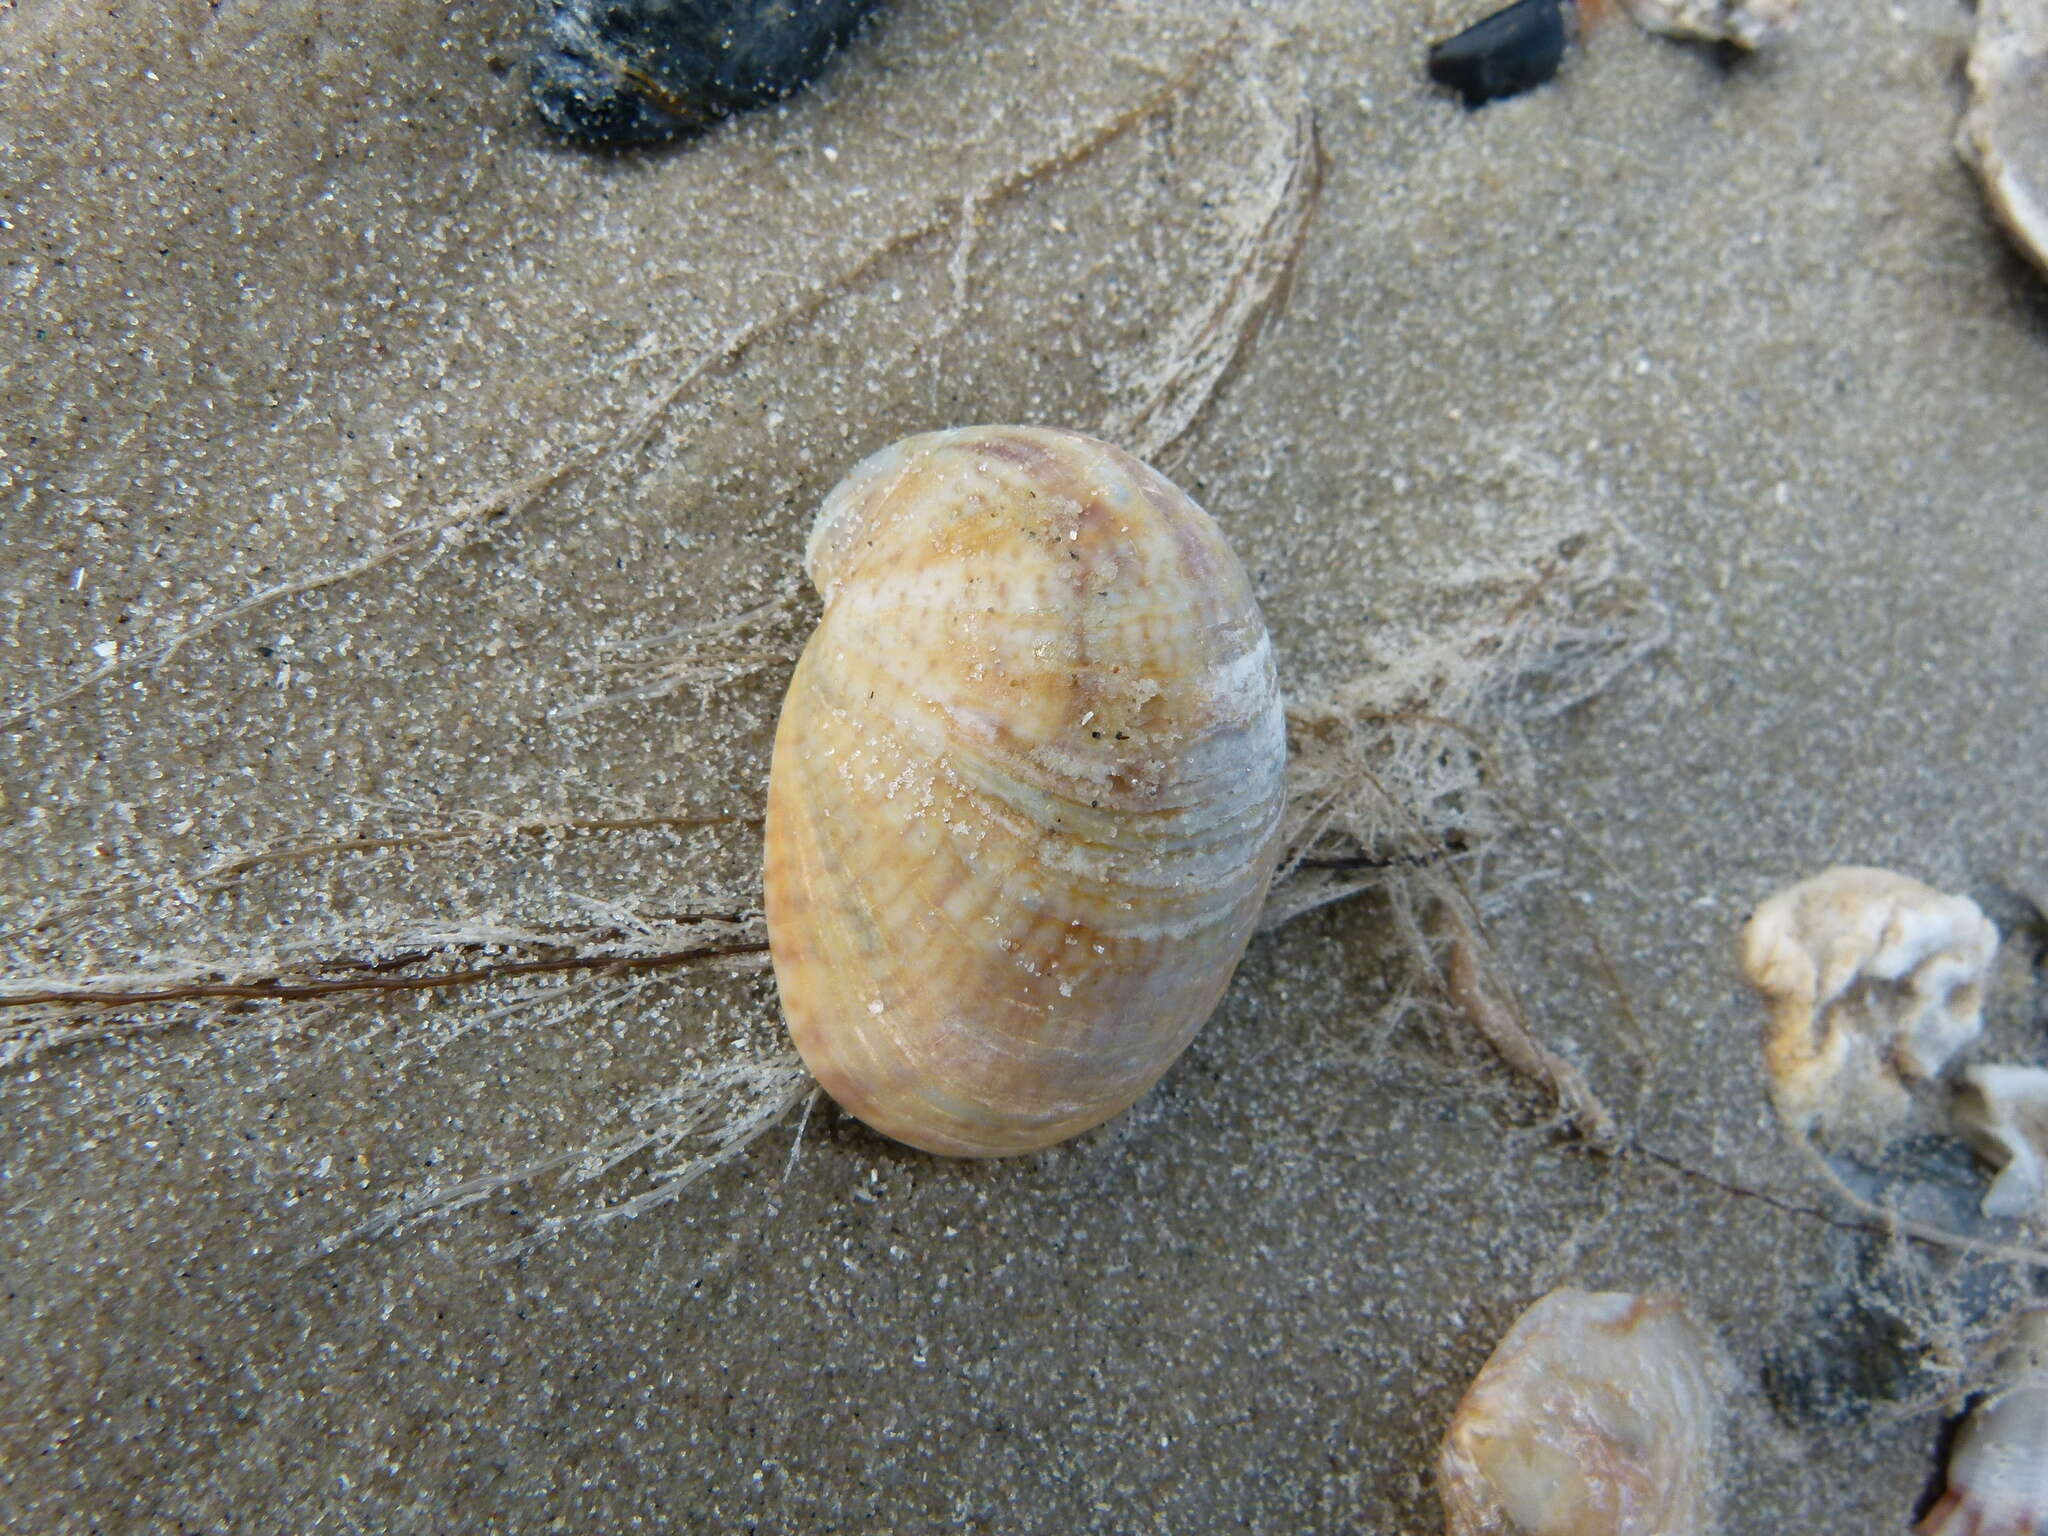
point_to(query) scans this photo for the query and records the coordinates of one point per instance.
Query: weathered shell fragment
(1748, 24)
(1597, 1415)
(2003, 1112)
(1872, 978)
(2004, 135)
(1026, 791)
(1998, 1467)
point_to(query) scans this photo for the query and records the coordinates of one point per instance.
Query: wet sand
(374, 465)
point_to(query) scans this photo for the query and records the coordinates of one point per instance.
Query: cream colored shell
(1597, 1415)
(1026, 791)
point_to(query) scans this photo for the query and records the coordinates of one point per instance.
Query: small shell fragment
(2003, 1112)
(1748, 24)
(1998, 1468)
(1872, 978)
(2004, 135)
(1596, 1416)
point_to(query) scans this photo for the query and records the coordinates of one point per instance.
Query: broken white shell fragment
(1595, 1416)
(2004, 135)
(1872, 978)
(2003, 1113)
(1746, 23)
(1998, 1469)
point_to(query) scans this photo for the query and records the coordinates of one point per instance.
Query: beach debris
(2004, 134)
(1521, 46)
(1505, 54)
(2002, 1111)
(621, 72)
(1597, 1415)
(1998, 1466)
(1744, 24)
(1873, 978)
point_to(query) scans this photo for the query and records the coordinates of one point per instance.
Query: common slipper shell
(1026, 791)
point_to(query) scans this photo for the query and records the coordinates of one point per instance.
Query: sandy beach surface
(401, 567)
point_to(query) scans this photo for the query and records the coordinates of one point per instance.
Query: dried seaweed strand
(249, 861)
(1878, 1222)
(1890, 1221)
(222, 876)
(698, 1108)
(500, 503)
(515, 497)
(941, 217)
(1211, 345)
(1502, 1026)
(275, 988)
(1473, 986)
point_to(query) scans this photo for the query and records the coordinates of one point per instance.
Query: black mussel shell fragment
(616, 72)
(1510, 52)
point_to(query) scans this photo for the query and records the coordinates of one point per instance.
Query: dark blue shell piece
(616, 72)
(1512, 51)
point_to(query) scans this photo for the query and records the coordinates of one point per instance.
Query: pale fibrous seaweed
(622, 72)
